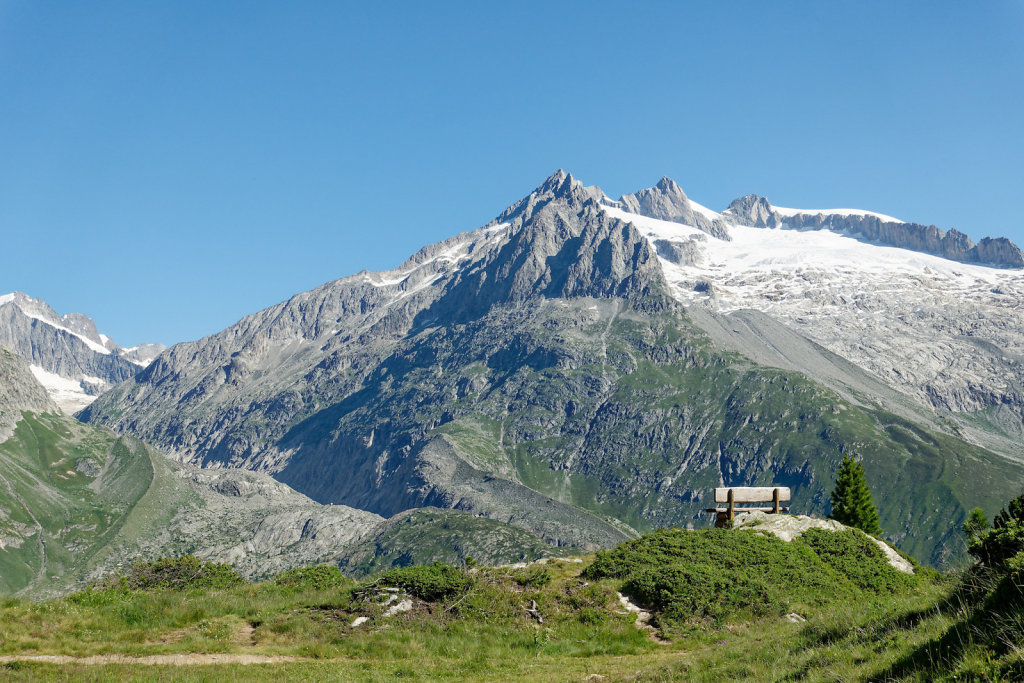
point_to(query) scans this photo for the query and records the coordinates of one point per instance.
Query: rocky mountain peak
(753, 210)
(666, 201)
(668, 186)
(67, 353)
(559, 185)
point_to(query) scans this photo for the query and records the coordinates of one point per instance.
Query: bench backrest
(751, 494)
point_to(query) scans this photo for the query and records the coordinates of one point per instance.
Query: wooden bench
(748, 494)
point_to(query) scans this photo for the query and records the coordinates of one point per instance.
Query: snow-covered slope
(66, 353)
(949, 333)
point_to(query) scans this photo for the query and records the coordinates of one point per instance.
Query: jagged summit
(559, 185)
(71, 358)
(666, 201)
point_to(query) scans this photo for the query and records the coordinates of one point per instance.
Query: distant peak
(669, 186)
(666, 201)
(558, 184)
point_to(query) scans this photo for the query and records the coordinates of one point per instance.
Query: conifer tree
(851, 498)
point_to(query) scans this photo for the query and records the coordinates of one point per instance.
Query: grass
(555, 621)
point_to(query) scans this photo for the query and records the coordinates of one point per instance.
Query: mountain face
(67, 354)
(19, 391)
(582, 371)
(77, 502)
(945, 333)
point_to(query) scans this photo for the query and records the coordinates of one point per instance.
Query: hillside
(673, 605)
(542, 371)
(79, 502)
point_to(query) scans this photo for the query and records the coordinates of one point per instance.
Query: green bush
(431, 583)
(1005, 540)
(681, 592)
(180, 573)
(319, 577)
(718, 573)
(999, 544)
(535, 576)
(858, 558)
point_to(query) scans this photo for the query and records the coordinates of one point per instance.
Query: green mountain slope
(627, 415)
(77, 502)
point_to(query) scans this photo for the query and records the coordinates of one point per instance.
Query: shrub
(976, 524)
(686, 591)
(181, 573)
(858, 558)
(1000, 543)
(431, 583)
(535, 576)
(994, 547)
(319, 577)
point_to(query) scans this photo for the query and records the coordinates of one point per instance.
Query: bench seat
(747, 509)
(732, 495)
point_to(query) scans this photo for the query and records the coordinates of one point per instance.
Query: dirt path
(155, 660)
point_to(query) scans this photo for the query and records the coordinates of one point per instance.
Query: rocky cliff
(19, 391)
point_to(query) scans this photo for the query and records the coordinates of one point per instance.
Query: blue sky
(168, 167)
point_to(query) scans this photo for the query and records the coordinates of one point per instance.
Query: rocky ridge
(67, 353)
(954, 245)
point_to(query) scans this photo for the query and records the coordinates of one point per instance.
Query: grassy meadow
(720, 605)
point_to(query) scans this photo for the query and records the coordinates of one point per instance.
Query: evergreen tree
(976, 524)
(851, 498)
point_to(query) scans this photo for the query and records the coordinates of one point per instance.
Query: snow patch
(66, 393)
(705, 211)
(6, 298)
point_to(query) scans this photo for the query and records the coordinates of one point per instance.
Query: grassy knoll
(718, 601)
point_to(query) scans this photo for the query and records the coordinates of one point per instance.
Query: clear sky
(169, 167)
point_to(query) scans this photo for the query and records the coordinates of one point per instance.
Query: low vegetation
(720, 575)
(724, 605)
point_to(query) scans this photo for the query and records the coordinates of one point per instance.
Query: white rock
(403, 606)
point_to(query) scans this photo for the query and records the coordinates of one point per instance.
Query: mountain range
(583, 369)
